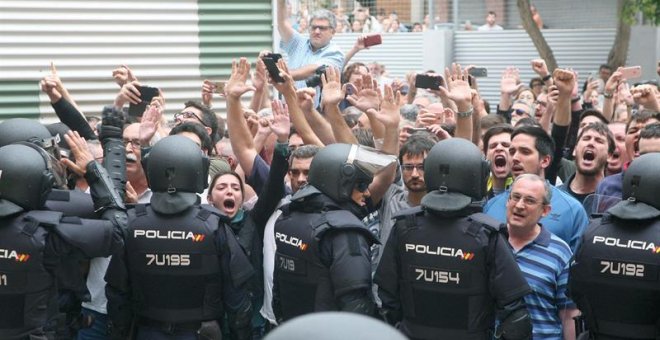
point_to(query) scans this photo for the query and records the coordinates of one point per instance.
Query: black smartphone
(274, 72)
(479, 72)
(274, 56)
(425, 81)
(146, 95)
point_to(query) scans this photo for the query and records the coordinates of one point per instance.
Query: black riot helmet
(22, 130)
(455, 174)
(641, 185)
(338, 168)
(26, 177)
(176, 169)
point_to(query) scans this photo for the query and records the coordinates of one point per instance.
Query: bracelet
(465, 114)
(608, 95)
(546, 78)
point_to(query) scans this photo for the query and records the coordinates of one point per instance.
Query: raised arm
(458, 90)
(332, 95)
(283, 24)
(288, 90)
(317, 122)
(239, 133)
(389, 116)
(608, 93)
(367, 98)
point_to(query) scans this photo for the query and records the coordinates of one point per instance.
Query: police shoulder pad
(44, 217)
(481, 220)
(207, 210)
(340, 220)
(400, 215)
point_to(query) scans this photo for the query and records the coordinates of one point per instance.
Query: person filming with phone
(307, 55)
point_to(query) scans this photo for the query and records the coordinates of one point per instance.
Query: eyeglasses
(411, 167)
(527, 201)
(521, 112)
(362, 186)
(322, 28)
(297, 172)
(135, 142)
(188, 114)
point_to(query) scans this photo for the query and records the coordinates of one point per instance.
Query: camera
(315, 79)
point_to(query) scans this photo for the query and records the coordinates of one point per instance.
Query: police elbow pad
(516, 326)
(103, 191)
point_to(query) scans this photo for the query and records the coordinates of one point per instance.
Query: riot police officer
(181, 264)
(69, 202)
(33, 241)
(446, 269)
(322, 261)
(615, 278)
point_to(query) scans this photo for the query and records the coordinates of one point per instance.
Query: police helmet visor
(51, 155)
(369, 160)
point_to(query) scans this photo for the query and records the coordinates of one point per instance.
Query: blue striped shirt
(544, 263)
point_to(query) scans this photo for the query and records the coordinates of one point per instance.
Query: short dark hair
(601, 129)
(490, 120)
(349, 70)
(303, 152)
(650, 131)
(605, 66)
(495, 130)
(416, 145)
(595, 113)
(208, 117)
(543, 142)
(537, 80)
(642, 116)
(222, 173)
(198, 130)
(527, 121)
(492, 13)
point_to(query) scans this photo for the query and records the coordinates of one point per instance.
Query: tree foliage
(650, 9)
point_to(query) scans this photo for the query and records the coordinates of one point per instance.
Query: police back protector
(27, 289)
(174, 266)
(303, 280)
(444, 276)
(615, 279)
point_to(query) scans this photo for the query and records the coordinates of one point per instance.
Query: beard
(598, 169)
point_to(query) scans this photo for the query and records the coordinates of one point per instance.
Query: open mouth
(229, 204)
(500, 161)
(589, 155)
(615, 155)
(636, 148)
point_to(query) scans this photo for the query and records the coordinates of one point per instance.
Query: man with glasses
(542, 257)
(397, 198)
(531, 151)
(306, 55)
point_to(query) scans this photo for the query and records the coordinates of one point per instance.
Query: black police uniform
(615, 277)
(34, 242)
(323, 258)
(183, 270)
(443, 278)
(322, 261)
(181, 265)
(446, 269)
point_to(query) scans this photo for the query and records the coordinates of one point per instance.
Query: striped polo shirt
(544, 263)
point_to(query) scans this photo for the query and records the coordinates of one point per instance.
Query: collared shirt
(567, 219)
(545, 262)
(299, 50)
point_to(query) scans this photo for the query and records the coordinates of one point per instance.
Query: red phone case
(371, 40)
